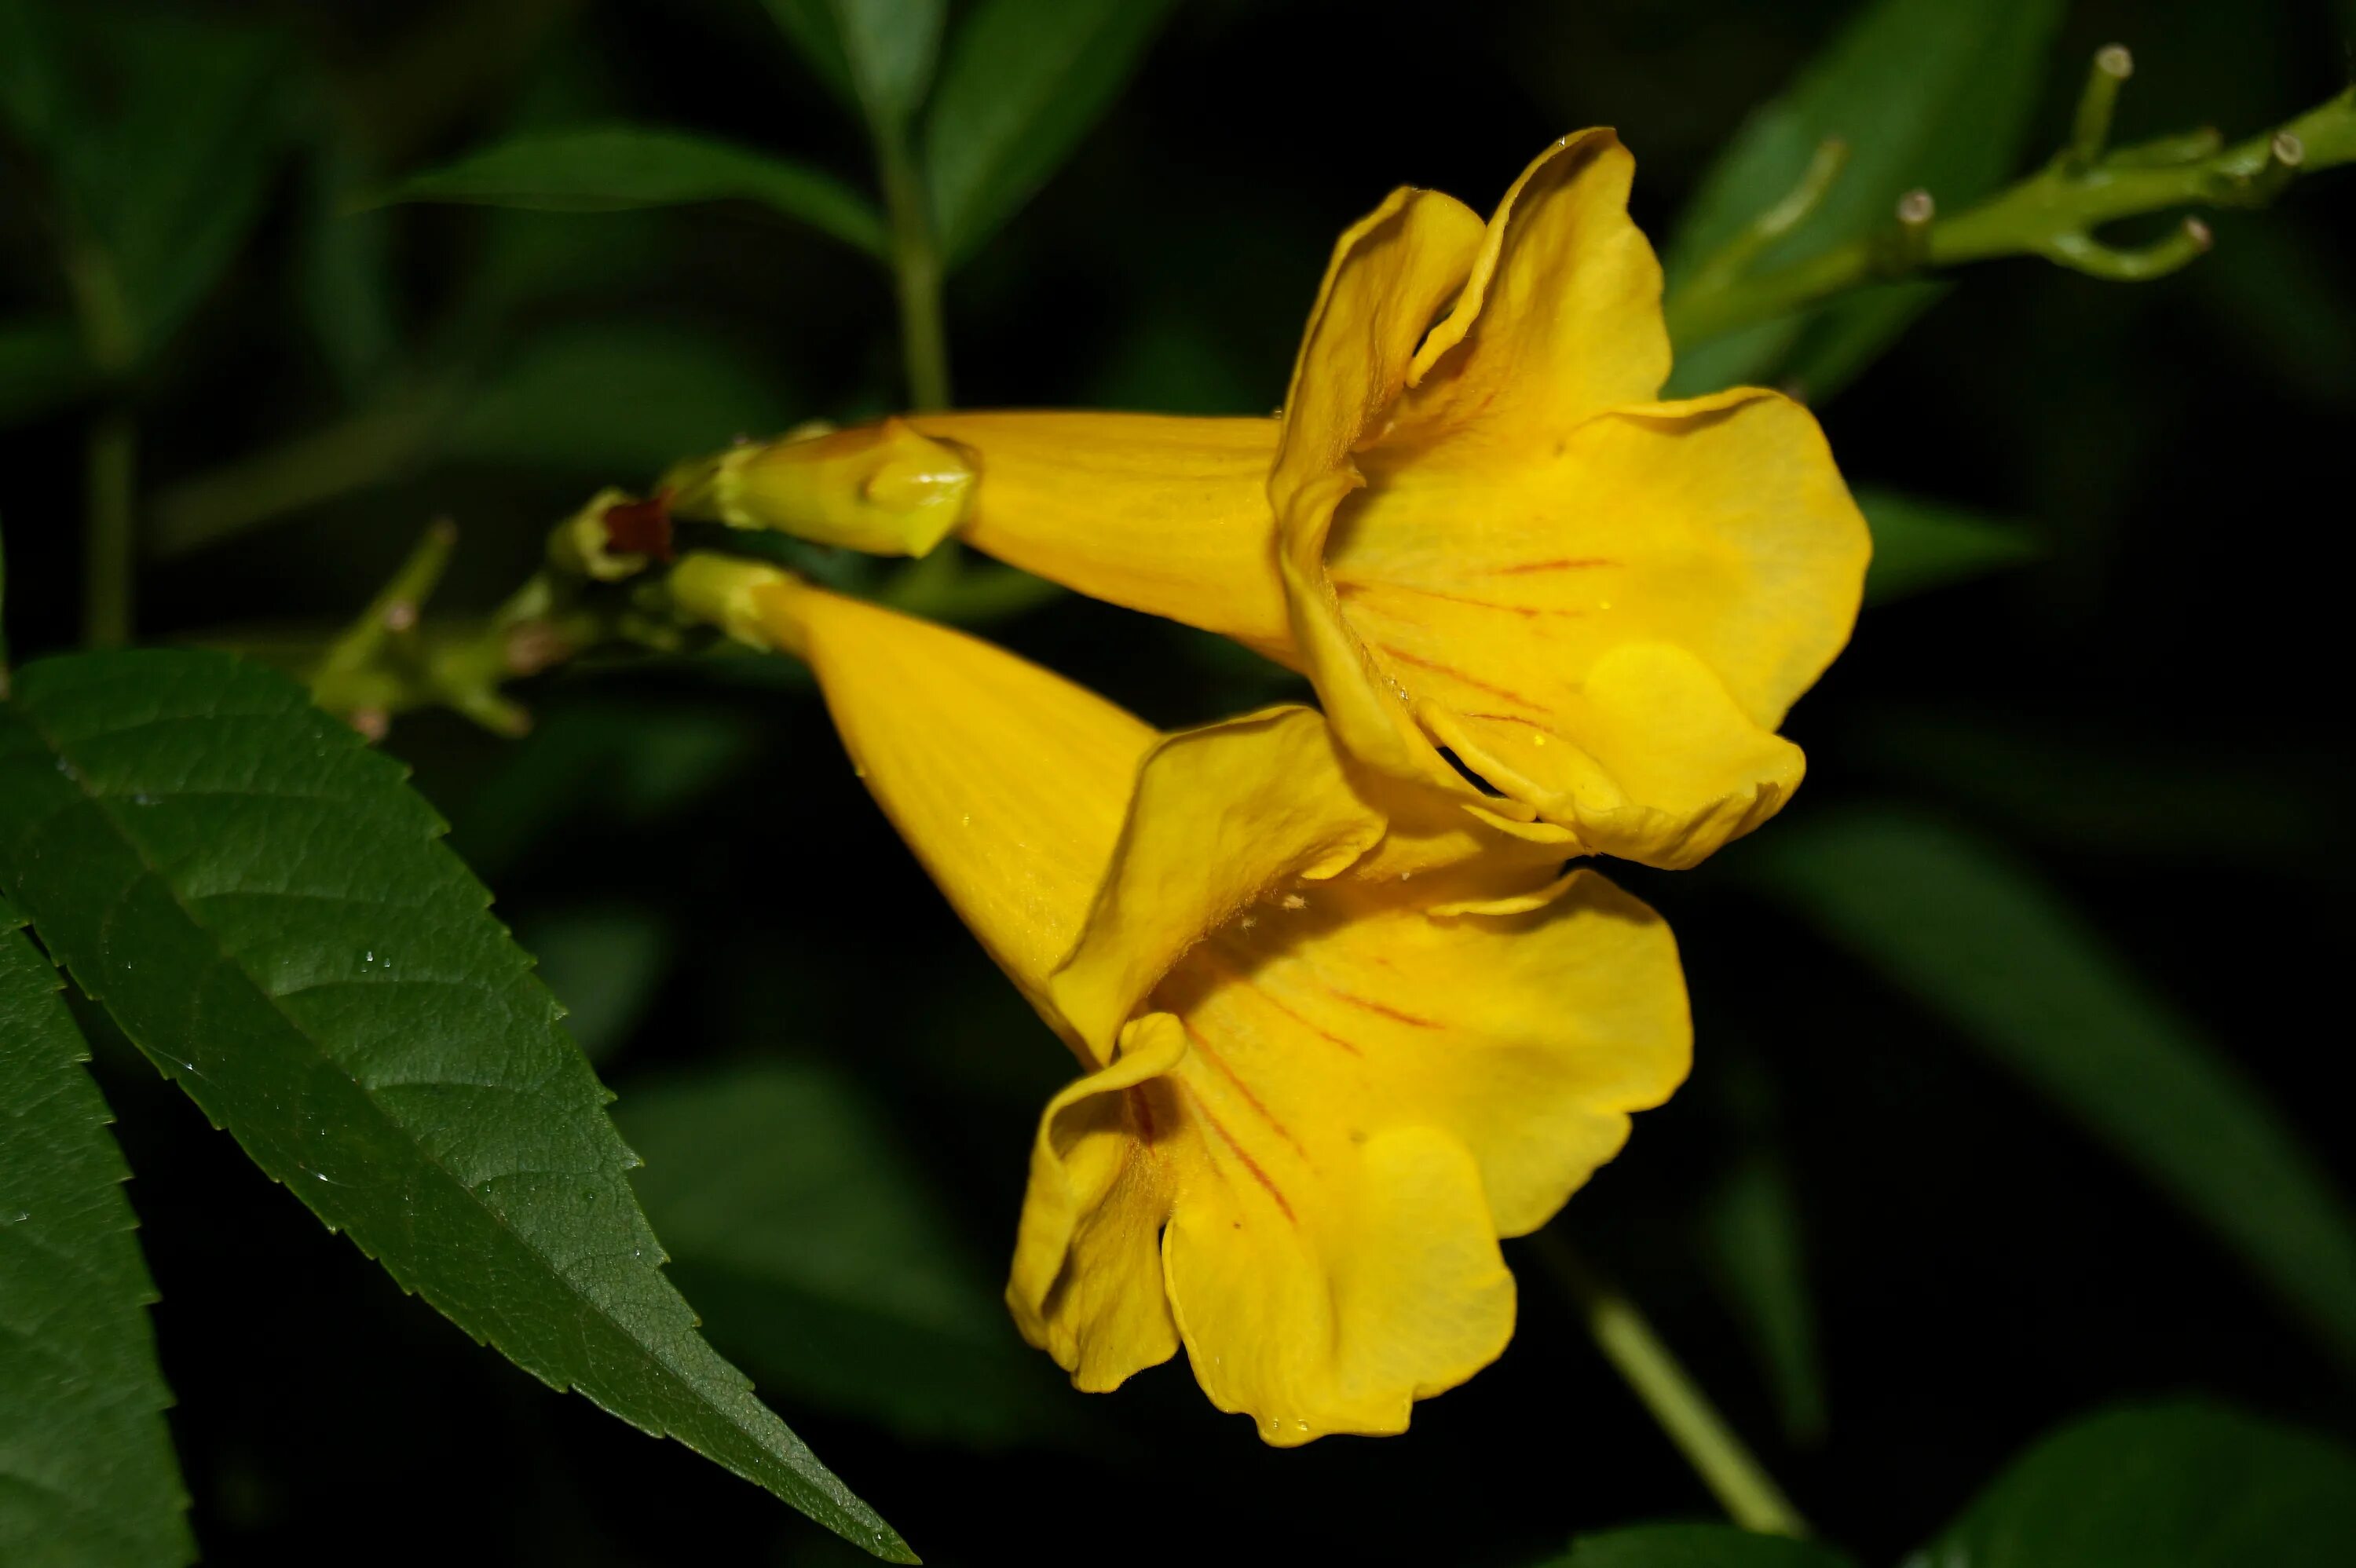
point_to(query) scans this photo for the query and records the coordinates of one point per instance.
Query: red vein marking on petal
(1353, 587)
(1453, 673)
(1383, 1009)
(1567, 563)
(1229, 1140)
(1142, 1108)
(1206, 1049)
(1505, 719)
(1230, 972)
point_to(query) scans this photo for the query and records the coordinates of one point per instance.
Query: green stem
(2052, 213)
(109, 542)
(917, 272)
(1734, 1476)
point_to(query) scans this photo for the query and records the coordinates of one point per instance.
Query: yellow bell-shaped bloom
(1475, 528)
(1337, 1037)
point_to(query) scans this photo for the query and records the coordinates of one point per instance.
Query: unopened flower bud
(588, 544)
(725, 590)
(881, 488)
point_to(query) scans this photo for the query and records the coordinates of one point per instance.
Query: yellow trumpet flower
(1337, 1037)
(1474, 526)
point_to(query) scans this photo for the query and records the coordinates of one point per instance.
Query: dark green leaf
(2171, 1486)
(42, 366)
(1840, 343)
(87, 1476)
(618, 400)
(606, 962)
(889, 46)
(166, 188)
(1980, 939)
(818, 1258)
(344, 277)
(613, 168)
(176, 184)
(1695, 1546)
(1919, 544)
(38, 99)
(2240, 800)
(1929, 93)
(1752, 1236)
(1024, 82)
(265, 909)
(809, 26)
(632, 762)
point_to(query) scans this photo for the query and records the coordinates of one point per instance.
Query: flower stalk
(916, 274)
(110, 543)
(2052, 213)
(1734, 1475)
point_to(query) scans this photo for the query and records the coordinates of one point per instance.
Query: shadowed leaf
(2174, 1485)
(817, 1256)
(1930, 94)
(1695, 1546)
(1024, 82)
(613, 168)
(1920, 545)
(1979, 939)
(87, 1476)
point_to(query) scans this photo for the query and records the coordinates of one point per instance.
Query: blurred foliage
(2010, 1100)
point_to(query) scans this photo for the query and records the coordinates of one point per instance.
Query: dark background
(2154, 715)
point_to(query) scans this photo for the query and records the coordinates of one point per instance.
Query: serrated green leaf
(1752, 1241)
(87, 1475)
(1930, 94)
(617, 167)
(1920, 545)
(1979, 939)
(2170, 1486)
(1024, 82)
(817, 1256)
(1696, 1546)
(42, 366)
(617, 400)
(265, 909)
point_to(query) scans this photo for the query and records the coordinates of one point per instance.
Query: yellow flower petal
(1561, 315)
(1010, 783)
(1162, 514)
(1609, 628)
(1401, 1296)
(1222, 817)
(1350, 1128)
(1086, 1283)
(1390, 274)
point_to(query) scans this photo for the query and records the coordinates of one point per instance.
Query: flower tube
(1473, 525)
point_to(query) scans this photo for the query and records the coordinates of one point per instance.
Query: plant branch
(390, 661)
(2052, 213)
(1734, 1475)
(917, 272)
(110, 500)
